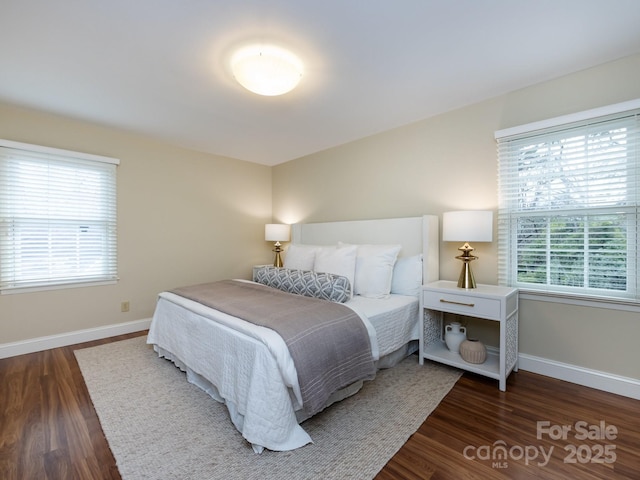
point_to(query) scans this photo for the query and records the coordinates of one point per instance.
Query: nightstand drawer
(462, 304)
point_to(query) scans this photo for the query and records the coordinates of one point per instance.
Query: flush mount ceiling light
(266, 69)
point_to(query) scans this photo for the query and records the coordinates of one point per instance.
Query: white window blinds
(57, 217)
(568, 207)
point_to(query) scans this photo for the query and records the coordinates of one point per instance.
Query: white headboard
(415, 234)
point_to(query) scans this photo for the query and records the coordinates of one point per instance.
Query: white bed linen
(395, 319)
(258, 381)
(244, 370)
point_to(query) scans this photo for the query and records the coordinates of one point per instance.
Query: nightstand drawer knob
(458, 303)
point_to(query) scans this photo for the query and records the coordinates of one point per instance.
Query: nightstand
(489, 302)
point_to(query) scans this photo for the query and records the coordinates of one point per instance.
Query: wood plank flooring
(49, 429)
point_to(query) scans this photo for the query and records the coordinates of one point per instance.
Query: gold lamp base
(278, 260)
(466, 279)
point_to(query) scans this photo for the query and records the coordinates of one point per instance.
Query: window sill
(42, 288)
(593, 302)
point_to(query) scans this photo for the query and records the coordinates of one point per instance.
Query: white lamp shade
(277, 232)
(467, 226)
(266, 69)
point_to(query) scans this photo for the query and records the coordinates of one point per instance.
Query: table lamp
(277, 232)
(467, 226)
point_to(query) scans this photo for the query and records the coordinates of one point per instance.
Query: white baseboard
(71, 338)
(628, 387)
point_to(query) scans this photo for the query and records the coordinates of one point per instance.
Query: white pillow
(300, 257)
(339, 260)
(407, 276)
(374, 270)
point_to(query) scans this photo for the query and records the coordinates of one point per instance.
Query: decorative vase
(473, 351)
(454, 335)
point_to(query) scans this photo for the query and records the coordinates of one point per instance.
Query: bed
(249, 367)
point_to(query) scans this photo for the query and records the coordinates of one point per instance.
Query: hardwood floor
(49, 429)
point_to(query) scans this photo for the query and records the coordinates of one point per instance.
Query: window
(569, 198)
(57, 218)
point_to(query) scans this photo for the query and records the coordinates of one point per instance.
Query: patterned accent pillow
(326, 286)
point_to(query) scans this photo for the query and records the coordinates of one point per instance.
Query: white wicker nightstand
(498, 304)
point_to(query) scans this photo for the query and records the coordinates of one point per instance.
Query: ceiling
(160, 67)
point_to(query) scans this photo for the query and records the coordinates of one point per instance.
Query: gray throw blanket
(327, 341)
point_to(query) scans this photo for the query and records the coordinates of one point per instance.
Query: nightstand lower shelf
(439, 352)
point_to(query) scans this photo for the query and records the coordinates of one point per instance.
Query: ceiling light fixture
(266, 69)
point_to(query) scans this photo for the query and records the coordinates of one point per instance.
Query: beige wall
(449, 162)
(183, 217)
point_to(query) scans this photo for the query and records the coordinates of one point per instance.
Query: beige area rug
(159, 426)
